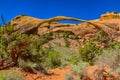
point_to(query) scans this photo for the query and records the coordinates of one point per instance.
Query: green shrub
(68, 56)
(3, 45)
(79, 68)
(89, 52)
(8, 28)
(53, 59)
(31, 52)
(114, 44)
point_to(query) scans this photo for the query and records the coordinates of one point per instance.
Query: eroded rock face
(26, 24)
(30, 25)
(110, 15)
(97, 72)
(22, 21)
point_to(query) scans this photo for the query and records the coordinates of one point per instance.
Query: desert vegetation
(37, 53)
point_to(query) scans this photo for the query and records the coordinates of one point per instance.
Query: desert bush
(110, 57)
(117, 70)
(32, 51)
(67, 42)
(89, 52)
(68, 56)
(8, 28)
(11, 76)
(41, 56)
(68, 77)
(28, 66)
(53, 59)
(101, 36)
(114, 44)
(79, 68)
(46, 37)
(3, 45)
(78, 71)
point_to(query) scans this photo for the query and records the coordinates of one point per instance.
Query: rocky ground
(59, 74)
(54, 74)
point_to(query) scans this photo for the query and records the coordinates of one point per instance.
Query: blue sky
(84, 9)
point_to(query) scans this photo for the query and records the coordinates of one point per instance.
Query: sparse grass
(78, 71)
(79, 68)
(11, 76)
(110, 57)
(68, 77)
(68, 56)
